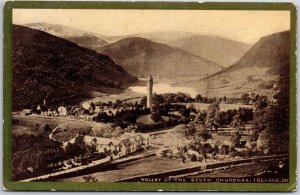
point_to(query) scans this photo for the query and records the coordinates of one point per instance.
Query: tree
(246, 114)
(103, 117)
(213, 116)
(129, 116)
(185, 112)
(283, 98)
(197, 146)
(245, 98)
(92, 104)
(270, 118)
(272, 122)
(47, 128)
(143, 101)
(250, 79)
(224, 149)
(235, 139)
(225, 99)
(198, 98)
(264, 141)
(194, 130)
(155, 116)
(200, 117)
(261, 103)
(90, 178)
(237, 122)
(118, 102)
(253, 97)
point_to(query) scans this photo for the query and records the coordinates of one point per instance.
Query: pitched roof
(100, 140)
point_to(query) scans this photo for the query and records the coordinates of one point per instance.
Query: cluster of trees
(214, 118)
(168, 98)
(244, 99)
(78, 149)
(122, 118)
(118, 104)
(32, 153)
(271, 121)
(171, 98)
(161, 124)
(198, 133)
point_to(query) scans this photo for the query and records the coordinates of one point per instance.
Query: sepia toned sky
(245, 26)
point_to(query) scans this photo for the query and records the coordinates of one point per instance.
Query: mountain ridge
(141, 57)
(210, 47)
(266, 40)
(80, 37)
(258, 70)
(46, 66)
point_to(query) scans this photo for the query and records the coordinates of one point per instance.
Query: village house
(27, 112)
(63, 111)
(105, 145)
(116, 148)
(130, 143)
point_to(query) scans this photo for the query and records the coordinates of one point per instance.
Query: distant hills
(220, 50)
(214, 48)
(170, 55)
(142, 57)
(82, 38)
(258, 70)
(49, 67)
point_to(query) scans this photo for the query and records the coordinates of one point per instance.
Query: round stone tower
(149, 92)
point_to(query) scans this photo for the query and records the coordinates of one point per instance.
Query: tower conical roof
(150, 78)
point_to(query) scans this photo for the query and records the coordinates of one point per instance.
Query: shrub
(233, 153)
(90, 178)
(224, 149)
(155, 117)
(201, 159)
(193, 157)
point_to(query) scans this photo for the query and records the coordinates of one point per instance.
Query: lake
(135, 92)
(161, 88)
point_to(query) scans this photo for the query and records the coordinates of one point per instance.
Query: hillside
(258, 70)
(142, 57)
(49, 67)
(81, 38)
(214, 48)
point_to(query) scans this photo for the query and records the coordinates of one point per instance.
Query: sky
(244, 26)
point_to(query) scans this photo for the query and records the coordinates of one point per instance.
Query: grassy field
(145, 119)
(247, 170)
(149, 165)
(170, 139)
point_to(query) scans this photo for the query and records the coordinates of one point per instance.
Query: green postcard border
(135, 186)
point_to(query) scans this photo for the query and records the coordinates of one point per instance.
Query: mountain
(214, 48)
(81, 38)
(51, 68)
(142, 57)
(258, 70)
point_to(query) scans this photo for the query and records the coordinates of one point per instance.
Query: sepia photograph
(150, 95)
